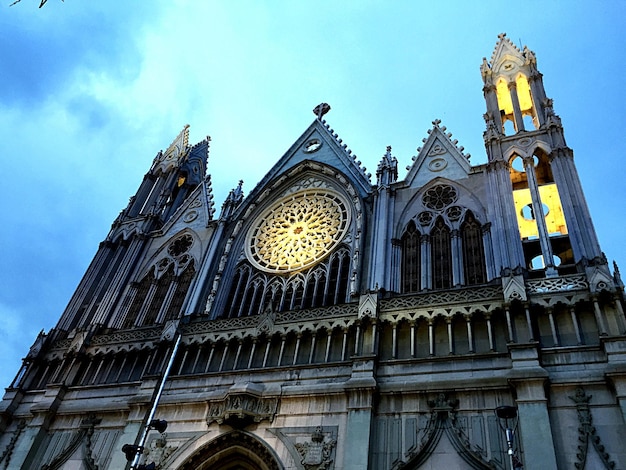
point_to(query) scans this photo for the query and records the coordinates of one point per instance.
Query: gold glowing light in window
(523, 94)
(553, 212)
(298, 231)
(504, 97)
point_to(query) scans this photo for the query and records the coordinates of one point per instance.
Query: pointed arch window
(410, 270)
(473, 251)
(142, 292)
(441, 255)
(184, 282)
(325, 284)
(162, 287)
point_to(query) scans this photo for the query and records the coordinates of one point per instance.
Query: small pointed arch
(474, 268)
(505, 104)
(441, 255)
(410, 246)
(234, 450)
(517, 171)
(526, 102)
(543, 170)
(238, 287)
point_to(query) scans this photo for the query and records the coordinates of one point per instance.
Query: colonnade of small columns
(390, 337)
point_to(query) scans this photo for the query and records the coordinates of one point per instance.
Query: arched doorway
(235, 450)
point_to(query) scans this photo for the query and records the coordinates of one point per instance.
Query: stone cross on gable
(321, 109)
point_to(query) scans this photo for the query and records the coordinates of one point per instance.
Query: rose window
(180, 245)
(298, 231)
(439, 197)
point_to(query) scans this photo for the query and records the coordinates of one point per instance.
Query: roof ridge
(346, 150)
(448, 136)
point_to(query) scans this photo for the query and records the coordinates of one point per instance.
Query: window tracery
(325, 284)
(160, 294)
(297, 231)
(441, 255)
(473, 251)
(439, 196)
(410, 245)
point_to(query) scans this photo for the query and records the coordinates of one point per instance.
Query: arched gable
(236, 449)
(311, 193)
(434, 200)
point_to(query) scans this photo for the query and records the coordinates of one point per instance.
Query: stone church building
(462, 316)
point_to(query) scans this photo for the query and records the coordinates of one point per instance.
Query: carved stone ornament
(587, 432)
(316, 453)
(169, 331)
(437, 149)
(158, 451)
(35, 349)
(443, 420)
(243, 405)
(83, 435)
(368, 305)
(80, 341)
(266, 321)
(513, 288)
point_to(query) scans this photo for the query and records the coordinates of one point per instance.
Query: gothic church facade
(332, 319)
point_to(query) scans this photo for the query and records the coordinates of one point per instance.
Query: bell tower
(532, 171)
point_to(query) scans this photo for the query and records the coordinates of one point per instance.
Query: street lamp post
(508, 421)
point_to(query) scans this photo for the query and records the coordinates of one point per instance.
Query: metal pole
(155, 404)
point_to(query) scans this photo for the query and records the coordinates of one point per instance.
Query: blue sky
(90, 91)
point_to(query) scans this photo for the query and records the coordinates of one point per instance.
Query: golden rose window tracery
(298, 231)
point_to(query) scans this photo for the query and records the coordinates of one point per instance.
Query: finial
(321, 109)
(388, 148)
(501, 35)
(436, 122)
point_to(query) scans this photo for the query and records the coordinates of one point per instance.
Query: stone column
(36, 430)
(540, 217)
(528, 378)
(517, 113)
(615, 348)
(360, 389)
(457, 258)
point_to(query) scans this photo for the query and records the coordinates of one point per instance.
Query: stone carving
(443, 419)
(316, 453)
(6, 455)
(35, 349)
(190, 216)
(587, 431)
(437, 149)
(158, 451)
(450, 297)
(170, 330)
(438, 164)
(80, 341)
(368, 305)
(242, 407)
(85, 434)
(439, 196)
(266, 321)
(513, 287)
(559, 284)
